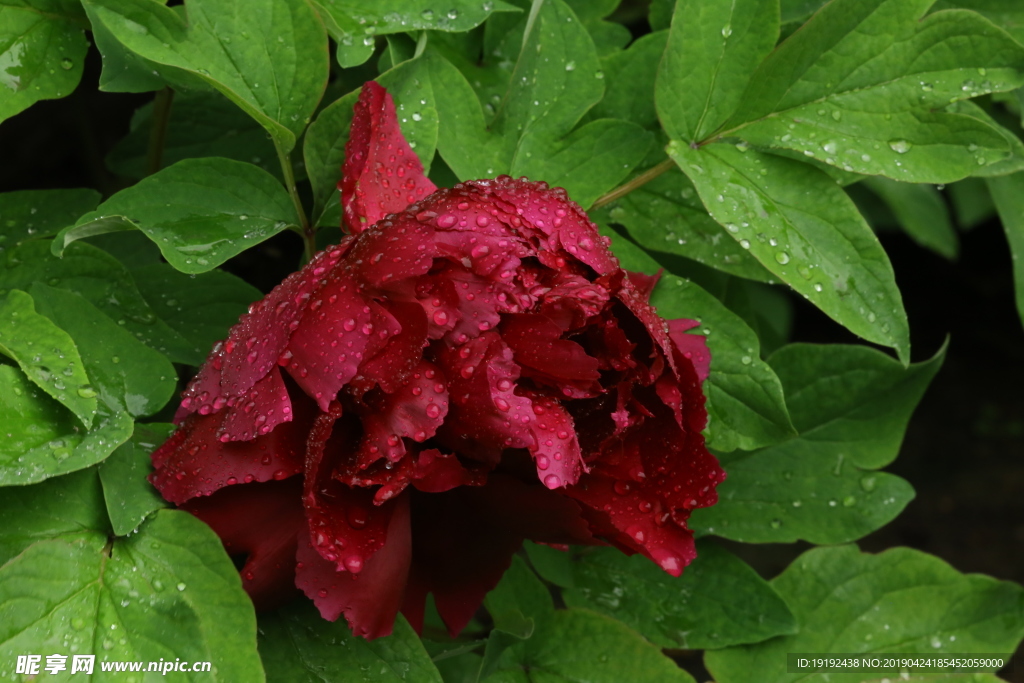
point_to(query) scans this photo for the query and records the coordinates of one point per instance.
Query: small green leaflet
(323, 150)
(42, 50)
(299, 645)
(354, 24)
(32, 214)
(719, 600)
(168, 592)
(267, 56)
(200, 212)
(46, 354)
(850, 405)
(901, 600)
(1008, 193)
(862, 86)
(746, 408)
(42, 439)
(803, 228)
(128, 495)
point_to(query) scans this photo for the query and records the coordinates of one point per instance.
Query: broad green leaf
(200, 212)
(353, 24)
(851, 405)
(550, 563)
(921, 212)
(132, 248)
(32, 214)
(666, 215)
(746, 408)
(324, 150)
(1008, 193)
(201, 124)
(126, 71)
(862, 84)
(46, 354)
(299, 646)
(1006, 14)
(803, 228)
(167, 592)
(713, 48)
(267, 56)
(104, 281)
(1010, 164)
(718, 601)
(516, 604)
(202, 308)
(609, 37)
(42, 50)
(901, 600)
(799, 10)
(128, 494)
(630, 78)
(42, 439)
(660, 14)
(580, 645)
(65, 507)
(127, 374)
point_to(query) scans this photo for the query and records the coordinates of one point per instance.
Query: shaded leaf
(128, 494)
(921, 213)
(1008, 194)
(32, 214)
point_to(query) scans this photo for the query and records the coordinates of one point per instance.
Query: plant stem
(158, 130)
(307, 231)
(642, 179)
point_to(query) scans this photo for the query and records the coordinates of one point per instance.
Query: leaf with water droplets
(46, 354)
(42, 50)
(862, 87)
(129, 496)
(801, 226)
(992, 166)
(712, 51)
(850, 405)
(630, 76)
(269, 59)
(297, 644)
(901, 600)
(116, 598)
(32, 214)
(921, 212)
(200, 212)
(745, 403)
(719, 600)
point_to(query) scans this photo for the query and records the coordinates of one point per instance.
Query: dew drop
(900, 146)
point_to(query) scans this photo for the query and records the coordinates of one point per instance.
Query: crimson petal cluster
(469, 368)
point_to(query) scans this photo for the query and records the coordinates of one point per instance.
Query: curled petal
(265, 406)
(382, 174)
(556, 450)
(392, 364)
(535, 341)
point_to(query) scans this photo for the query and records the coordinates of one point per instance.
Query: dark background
(964, 446)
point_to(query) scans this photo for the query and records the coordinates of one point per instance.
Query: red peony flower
(470, 367)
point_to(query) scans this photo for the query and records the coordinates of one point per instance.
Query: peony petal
(693, 347)
(437, 472)
(535, 341)
(369, 599)
(265, 406)
(262, 521)
(391, 251)
(556, 451)
(328, 344)
(391, 365)
(381, 174)
(195, 462)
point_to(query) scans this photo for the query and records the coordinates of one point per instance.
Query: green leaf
(104, 281)
(167, 592)
(746, 408)
(609, 36)
(862, 84)
(202, 308)
(712, 50)
(901, 600)
(353, 24)
(660, 14)
(719, 600)
(200, 212)
(128, 375)
(42, 50)
(630, 77)
(42, 439)
(201, 124)
(666, 215)
(1006, 14)
(32, 214)
(550, 563)
(972, 202)
(299, 646)
(324, 150)
(269, 57)
(851, 405)
(65, 507)
(46, 354)
(1008, 193)
(921, 212)
(128, 494)
(802, 227)
(518, 601)
(580, 645)
(1010, 164)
